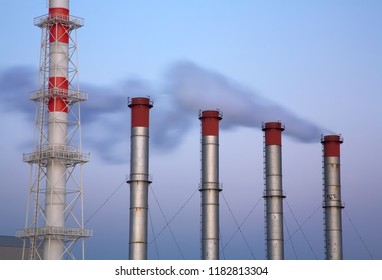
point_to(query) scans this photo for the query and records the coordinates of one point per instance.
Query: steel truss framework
(36, 231)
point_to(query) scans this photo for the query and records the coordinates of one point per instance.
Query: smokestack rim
(336, 138)
(146, 101)
(272, 125)
(210, 114)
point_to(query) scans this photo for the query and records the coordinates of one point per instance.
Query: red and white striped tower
(332, 203)
(54, 226)
(210, 186)
(139, 177)
(55, 200)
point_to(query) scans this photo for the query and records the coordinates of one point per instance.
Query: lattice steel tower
(54, 219)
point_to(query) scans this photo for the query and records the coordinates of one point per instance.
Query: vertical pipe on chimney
(139, 177)
(332, 203)
(210, 186)
(273, 193)
(55, 197)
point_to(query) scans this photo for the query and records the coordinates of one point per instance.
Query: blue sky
(314, 65)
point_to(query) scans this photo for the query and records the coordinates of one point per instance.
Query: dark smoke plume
(188, 89)
(15, 84)
(191, 88)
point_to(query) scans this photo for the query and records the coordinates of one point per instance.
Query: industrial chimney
(332, 203)
(139, 176)
(54, 220)
(273, 193)
(209, 186)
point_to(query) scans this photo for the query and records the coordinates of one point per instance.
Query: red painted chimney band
(273, 133)
(60, 12)
(210, 122)
(58, 103)
(58, 33)
(140, 107)
(332, 145)
(59, 30)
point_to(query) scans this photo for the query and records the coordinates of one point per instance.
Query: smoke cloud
(190, 88)
(15, 83)
(187, 89)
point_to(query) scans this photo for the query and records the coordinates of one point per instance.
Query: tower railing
(72, 21)
(71, 96)
(65, 152)
(65, 232)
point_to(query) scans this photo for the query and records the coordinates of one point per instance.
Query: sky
(316, 66)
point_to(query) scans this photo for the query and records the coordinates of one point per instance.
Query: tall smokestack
(273, 193)
(210, 186)
(332, 203)
(56, 154)
(139, 177)
(58, 120)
